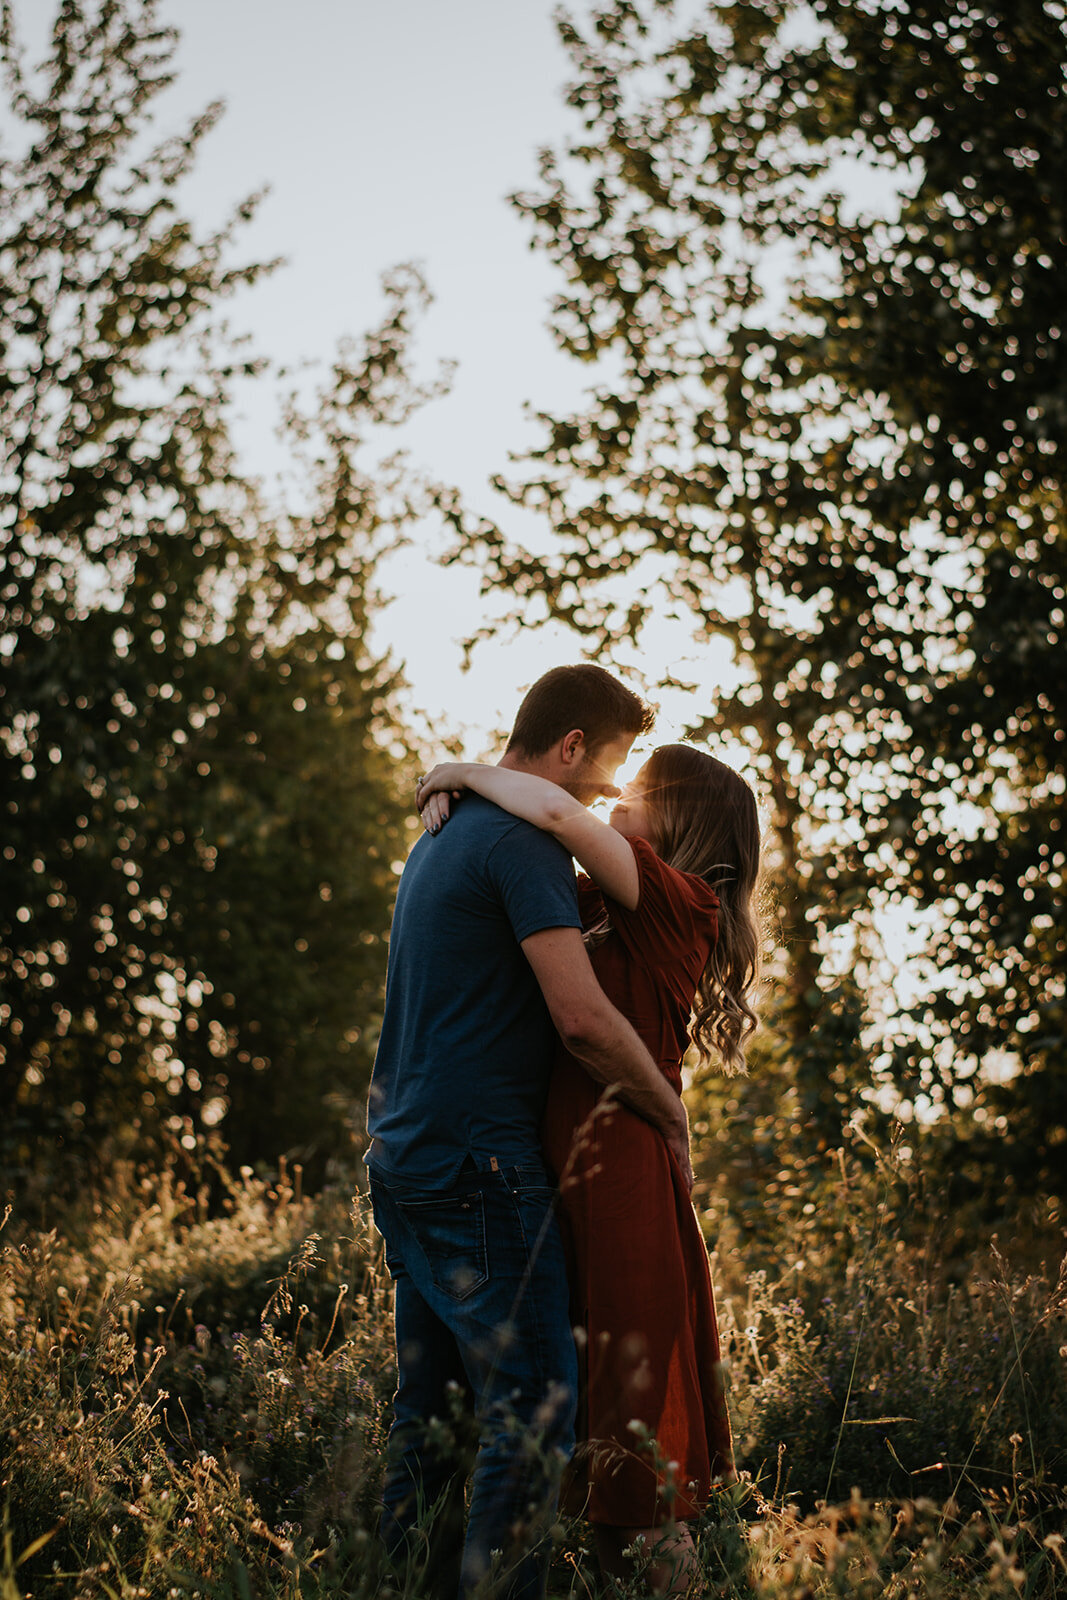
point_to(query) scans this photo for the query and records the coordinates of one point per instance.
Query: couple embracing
(529, 1158)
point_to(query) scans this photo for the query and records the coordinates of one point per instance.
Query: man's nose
(610, 791)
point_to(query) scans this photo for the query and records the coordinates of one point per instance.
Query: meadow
(195, 1374)
(823, 435)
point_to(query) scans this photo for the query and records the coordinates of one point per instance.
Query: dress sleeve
(676, 914)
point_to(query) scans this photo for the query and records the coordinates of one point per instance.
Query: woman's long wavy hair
(706, 823)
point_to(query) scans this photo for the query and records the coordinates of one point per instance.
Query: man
(486, 965)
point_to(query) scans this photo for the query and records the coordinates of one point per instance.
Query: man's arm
(601, 1038)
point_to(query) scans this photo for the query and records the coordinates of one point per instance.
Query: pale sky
(391, 131)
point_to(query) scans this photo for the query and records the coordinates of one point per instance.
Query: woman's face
(632, 815)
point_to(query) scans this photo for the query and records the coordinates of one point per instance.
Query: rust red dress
(640, 1283)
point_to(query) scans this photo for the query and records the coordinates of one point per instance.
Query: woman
(668, 908)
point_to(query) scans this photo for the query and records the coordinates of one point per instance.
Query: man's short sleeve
(534, 876)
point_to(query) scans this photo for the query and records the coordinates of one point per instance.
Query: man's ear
(572, 747)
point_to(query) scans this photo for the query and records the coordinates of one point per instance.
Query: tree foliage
(201, 756)
(858, 483)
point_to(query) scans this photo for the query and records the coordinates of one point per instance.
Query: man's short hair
(584, 697)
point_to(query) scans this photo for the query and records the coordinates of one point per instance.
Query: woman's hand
(436, 791)
(435, 813)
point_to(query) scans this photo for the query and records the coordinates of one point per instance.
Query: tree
(952, 319)
(859, 488)
(201, 759)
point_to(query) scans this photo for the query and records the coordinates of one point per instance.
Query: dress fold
(653, 1421)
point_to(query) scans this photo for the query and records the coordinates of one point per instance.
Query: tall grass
(195, 1381)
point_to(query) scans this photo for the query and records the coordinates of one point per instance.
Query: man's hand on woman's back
(602, 1039)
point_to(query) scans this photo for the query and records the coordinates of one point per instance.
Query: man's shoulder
(474, 825)
(515, 836)
(515, 856)
(475, 811)
(477, 834)
(481, 818)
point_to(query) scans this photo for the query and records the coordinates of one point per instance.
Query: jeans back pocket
(451, 1235)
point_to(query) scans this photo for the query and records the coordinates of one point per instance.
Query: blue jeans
(484, 1346)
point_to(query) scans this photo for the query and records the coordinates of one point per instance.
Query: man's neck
(546, 766)
(516, 761)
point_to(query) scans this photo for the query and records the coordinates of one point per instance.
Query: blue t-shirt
(467, 1042)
